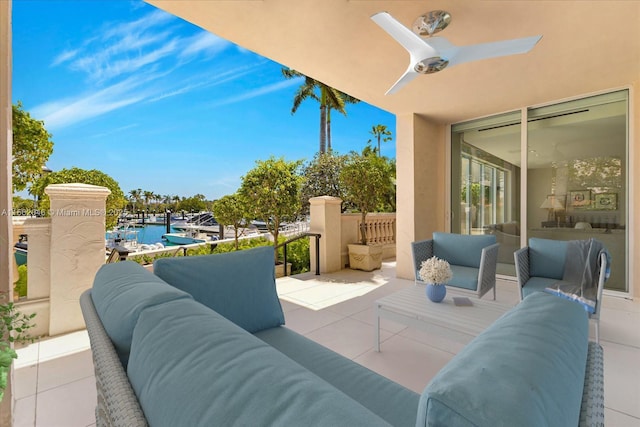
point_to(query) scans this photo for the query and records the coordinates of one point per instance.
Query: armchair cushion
(461, 249)
(464, 277)
(547, 258)
(239, 285)
(537, 284)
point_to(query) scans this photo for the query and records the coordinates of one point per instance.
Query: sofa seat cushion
(390, 401)
(537, 284)
(190, 366)
(527, 369)
(120, 292)
(239, 285)
(547, 257)
(464, 277)
(448, 246)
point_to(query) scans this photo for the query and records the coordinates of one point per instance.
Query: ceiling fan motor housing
(431, 65)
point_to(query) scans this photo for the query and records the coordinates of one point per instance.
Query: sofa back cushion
(461, 249)
(547, 257)
(527, 369)
(120, 292)
(239, 285)
(190, 366)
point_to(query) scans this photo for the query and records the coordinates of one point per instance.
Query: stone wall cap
(35, 223)
(75, 190)
(325, 199)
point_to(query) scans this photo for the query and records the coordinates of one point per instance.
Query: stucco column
(77, 249)
(326, 220)
(6, 245)
(38, 232)
(420, 171)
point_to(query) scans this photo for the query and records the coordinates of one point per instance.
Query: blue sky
(160, 104)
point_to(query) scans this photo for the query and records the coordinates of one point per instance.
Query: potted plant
(364, 181)
(436, 273)
(13, 328)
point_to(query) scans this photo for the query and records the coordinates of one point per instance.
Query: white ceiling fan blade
(407, 38)
(458, 55)
(408, 75)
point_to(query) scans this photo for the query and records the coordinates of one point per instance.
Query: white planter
(365, 257)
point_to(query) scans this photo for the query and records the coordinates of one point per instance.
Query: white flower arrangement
(435, 271)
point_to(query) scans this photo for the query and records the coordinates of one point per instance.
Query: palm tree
(329, 98)
(348, 99)
(380, 132)
(134, 196)
(147, 195)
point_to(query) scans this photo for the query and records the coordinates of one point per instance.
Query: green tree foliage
(272, 192)
(364, 179)
(380, 133)
(298, 255)
(21, 284)
(195, 203)
(328, 98)
(231, 210)
(14, 328)
(115, 201)
(22, 206)
(321, 177)
(32, 146)
(388, 199)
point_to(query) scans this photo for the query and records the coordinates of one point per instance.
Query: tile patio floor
(54, 384)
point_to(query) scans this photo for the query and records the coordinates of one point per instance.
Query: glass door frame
(524, 159)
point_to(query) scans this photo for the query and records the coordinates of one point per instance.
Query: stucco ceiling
(587, 46)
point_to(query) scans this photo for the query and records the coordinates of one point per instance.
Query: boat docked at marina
(192, 234)
(128, 237)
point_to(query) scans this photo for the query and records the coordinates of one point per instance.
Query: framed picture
(579, 199)
(606, 201)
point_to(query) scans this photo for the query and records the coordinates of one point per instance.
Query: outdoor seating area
(57, 387)
(472, 259)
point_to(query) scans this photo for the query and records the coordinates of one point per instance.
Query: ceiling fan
(432, 54)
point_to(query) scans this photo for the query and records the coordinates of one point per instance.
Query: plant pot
(280, 269)
(436, 293)
(365, 257)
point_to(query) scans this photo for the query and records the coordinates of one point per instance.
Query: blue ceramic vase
(436, 293)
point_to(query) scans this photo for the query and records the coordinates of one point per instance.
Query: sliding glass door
(577, 175)
(486, 182)
(575, 158)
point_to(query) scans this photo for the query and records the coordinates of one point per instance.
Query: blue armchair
(542, 266)
(472, 258)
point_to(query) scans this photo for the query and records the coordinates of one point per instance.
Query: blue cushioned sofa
(201, 343)
(473, 260)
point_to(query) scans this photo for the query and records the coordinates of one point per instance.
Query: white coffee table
(411, 307)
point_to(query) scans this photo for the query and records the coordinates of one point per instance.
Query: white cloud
(115, 130)
(122, 59)
(203, 42)
(65, 56)
(205, 81)
(155, 18)
(69, 111)
(274, 87)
